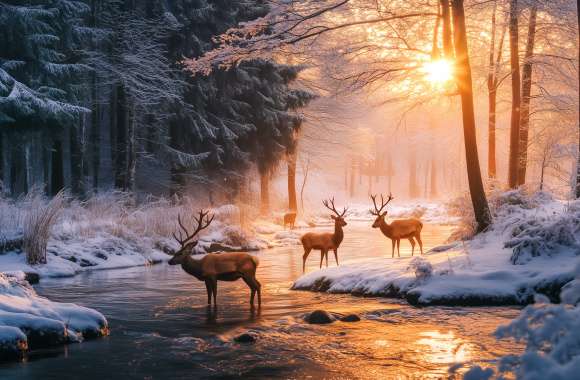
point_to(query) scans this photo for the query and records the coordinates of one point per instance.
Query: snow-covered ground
(107, 232)
(30, 321)
(532, 247)
(552, 337)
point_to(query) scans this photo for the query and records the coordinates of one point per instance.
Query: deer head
(378, 211)
(203, 221)
(337, 217)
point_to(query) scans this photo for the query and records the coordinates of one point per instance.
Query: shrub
(38, 222)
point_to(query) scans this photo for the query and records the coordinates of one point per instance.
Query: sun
(438, 71)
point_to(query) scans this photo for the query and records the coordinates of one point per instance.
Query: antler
(203, 221)
(384, 204)
(333, 209)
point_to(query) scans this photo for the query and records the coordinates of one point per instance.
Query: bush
(38, 223)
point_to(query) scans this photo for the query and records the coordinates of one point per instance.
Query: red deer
(398, 229)
(289, 218)
(325, 241)
(213, 267)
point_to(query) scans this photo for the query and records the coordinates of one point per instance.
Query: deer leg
(208, 288)
(252, 287)
(336, 256)
(259, 290)
(398, 247)
(326, 254)
(418, 237)
(412, 245)
(304, 257)
(214, 286)
(322, 252)
(393, 252)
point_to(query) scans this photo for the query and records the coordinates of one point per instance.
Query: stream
(162, 329)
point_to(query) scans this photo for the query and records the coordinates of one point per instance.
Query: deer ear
(333, 217)
(384, 214)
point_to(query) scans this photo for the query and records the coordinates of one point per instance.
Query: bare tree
(514, 155)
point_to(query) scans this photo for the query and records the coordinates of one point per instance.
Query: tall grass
(38, 222)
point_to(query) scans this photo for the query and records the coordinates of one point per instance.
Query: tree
(514, 153)
(465, 87)
(492, 87)
(526, 96)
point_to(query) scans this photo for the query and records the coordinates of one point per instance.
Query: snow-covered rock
(30, 321)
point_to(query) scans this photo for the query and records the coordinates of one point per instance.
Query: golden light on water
(438, 71)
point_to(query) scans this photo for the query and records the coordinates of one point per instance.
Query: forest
(96, 99)
(391, 184)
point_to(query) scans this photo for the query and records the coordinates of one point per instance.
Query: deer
(290, 219)
(398, 229)
(325, 241)
(214, 267)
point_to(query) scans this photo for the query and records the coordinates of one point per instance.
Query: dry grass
(38, 222)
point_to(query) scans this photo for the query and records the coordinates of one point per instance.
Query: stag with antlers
(213, 267)
(325, 241)
(398, 229)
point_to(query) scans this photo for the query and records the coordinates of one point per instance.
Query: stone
(319, 317)
(245, 338)
(350, 318)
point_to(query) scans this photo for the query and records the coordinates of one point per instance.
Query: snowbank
(28, 321)
(481, 271)
(552, 336)
(108, 231)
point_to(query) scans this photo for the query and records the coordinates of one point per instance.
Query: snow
(477, 272)
(552, 336)
(28, 320)
(106, 232)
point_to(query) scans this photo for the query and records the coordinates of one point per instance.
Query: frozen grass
(38, 222)
(108, 230)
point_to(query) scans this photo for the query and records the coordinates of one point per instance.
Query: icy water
(162, 329)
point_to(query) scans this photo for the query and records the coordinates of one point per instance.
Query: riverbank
(29, 322)
(532, 247)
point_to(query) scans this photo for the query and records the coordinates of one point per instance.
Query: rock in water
(245, 338)
(350, 318)
(319, 317)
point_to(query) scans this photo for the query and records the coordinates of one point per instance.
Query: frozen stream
(161, 328)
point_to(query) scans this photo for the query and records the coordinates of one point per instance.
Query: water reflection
(161, 326)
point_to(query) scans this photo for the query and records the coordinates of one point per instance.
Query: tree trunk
(264, 193)
(526, 92)
(491, 167)
(578, 158)
(514, 155)
(57, 172)
(306, 170)
(77, 157)
(120, 140)
(447, 40)
(433, 192)
(131, 152)
(413, 187)
(465, 86)
(352, 169)
(292, 202)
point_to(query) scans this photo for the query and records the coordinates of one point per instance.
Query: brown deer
(325, 241)
(398, 229)
(213, 267)
(290, 219)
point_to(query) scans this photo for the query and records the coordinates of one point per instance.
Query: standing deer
(398, 229)
(290, 219)
(212, 268)
(325, 241)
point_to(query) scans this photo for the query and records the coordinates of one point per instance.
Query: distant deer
(325, 241)
(213, 267)
(289, 219)
(398, 229)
